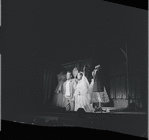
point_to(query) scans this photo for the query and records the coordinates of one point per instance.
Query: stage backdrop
(47, 85)
(49, 82)
(118, 80)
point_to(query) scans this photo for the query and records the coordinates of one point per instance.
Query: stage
(133, 123)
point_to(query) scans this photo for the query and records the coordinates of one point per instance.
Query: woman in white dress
(81, 96)
(58, 97)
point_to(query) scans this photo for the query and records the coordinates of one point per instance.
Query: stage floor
(134, 123)
(59, 112)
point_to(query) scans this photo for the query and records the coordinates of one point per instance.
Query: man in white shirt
(68, 90)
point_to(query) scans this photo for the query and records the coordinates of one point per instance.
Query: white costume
(82, 96)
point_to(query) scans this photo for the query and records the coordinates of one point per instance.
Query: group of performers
(74, 91)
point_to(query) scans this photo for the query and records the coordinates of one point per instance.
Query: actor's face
(75, 72)
(79, 76)
(68, 76)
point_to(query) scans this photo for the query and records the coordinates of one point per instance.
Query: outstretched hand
(97, 66)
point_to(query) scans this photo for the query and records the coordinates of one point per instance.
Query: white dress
(58, 97)
(82, 96)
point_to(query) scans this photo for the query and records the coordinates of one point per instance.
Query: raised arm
(96, 67)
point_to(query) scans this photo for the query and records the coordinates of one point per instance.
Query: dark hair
(80, 73)
(75, 69)
(68, 72)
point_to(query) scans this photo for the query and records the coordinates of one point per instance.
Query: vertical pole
(127, 76)
(127, 69)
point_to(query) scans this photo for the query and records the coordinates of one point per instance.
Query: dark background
(41, 33)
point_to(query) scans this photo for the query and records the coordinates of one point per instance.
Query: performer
(58, 97)
(99, 93)
(68, 89)
(81, 95)
(87, 72)
(75, 82)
